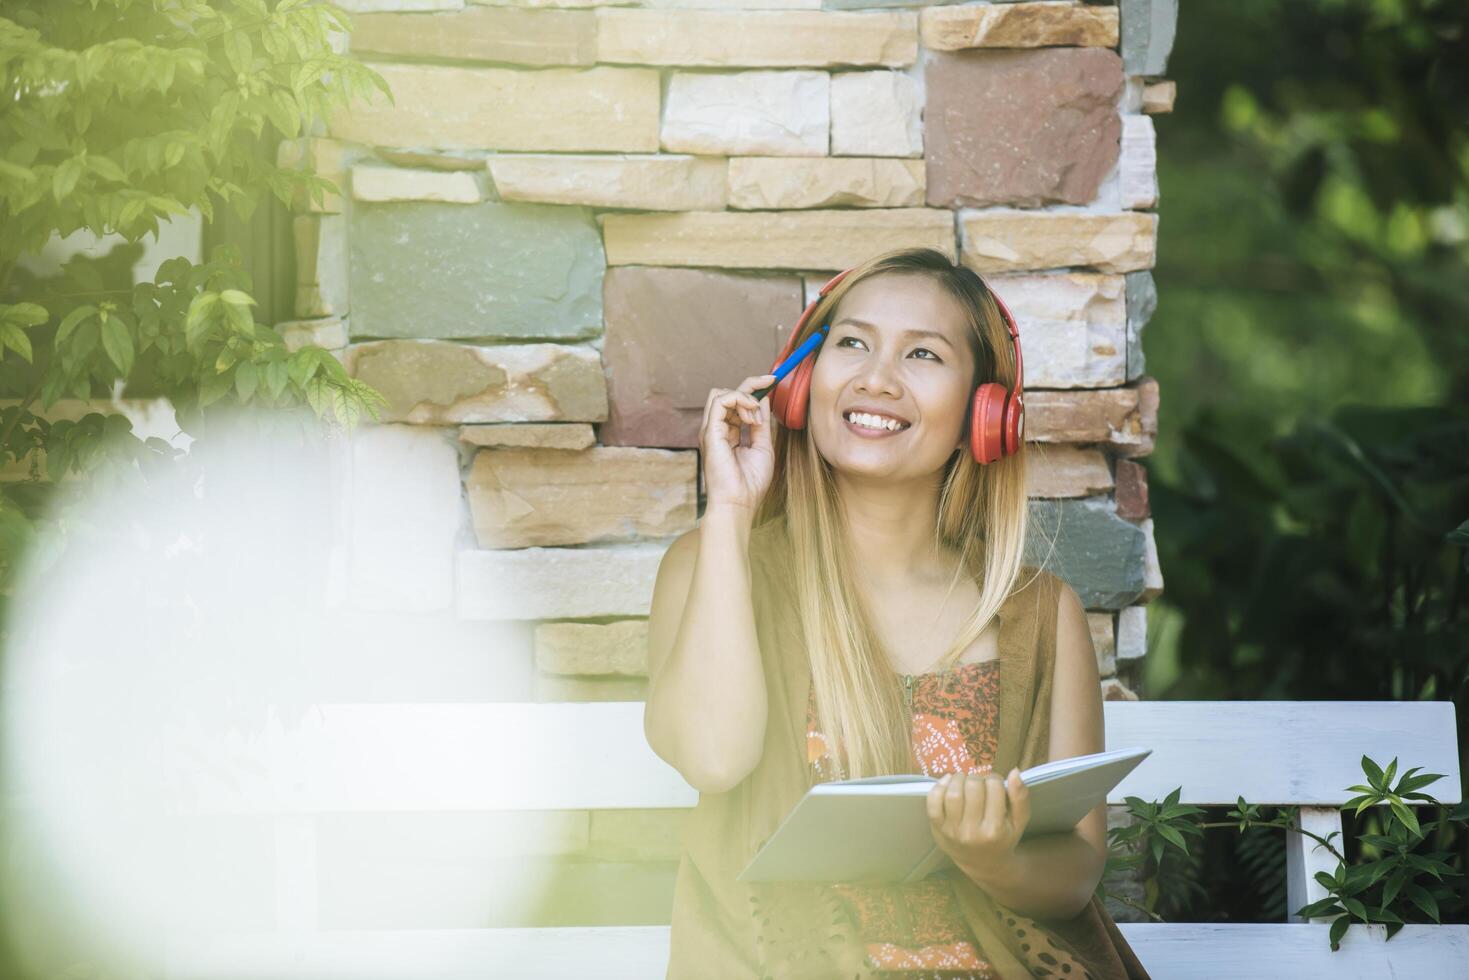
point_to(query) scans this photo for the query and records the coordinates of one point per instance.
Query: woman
(854, 603)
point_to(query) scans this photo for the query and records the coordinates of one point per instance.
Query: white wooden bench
(478, 757)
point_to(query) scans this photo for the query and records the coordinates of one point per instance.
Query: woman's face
(898, 347)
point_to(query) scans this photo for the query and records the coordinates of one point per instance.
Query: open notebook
(877, 829)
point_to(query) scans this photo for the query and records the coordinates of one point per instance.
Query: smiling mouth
(874, 425)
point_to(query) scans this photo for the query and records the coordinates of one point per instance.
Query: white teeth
(876, 421)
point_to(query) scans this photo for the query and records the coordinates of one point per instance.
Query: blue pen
(789, 364)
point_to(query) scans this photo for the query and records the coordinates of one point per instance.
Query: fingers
(992, 825)
(973, 807)
(737, 405)
(955, 799)
(1019, 795)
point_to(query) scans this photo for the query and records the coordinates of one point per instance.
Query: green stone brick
(1099, 554)
(490, 271)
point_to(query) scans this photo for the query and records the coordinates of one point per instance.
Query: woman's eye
(916, 349)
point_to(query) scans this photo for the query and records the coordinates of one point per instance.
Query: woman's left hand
(977, 819)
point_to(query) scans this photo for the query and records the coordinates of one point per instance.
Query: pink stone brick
(1021, 127)
(1132, 490)
(672, 334)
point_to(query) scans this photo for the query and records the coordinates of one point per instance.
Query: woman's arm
(706, 706)
(1054, 876)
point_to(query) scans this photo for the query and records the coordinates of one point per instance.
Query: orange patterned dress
(917, 926)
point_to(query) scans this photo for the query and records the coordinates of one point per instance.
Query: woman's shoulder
(1037, 592)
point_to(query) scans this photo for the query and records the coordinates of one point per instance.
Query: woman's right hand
(737, 475)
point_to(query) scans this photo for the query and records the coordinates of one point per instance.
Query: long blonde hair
(983, 515)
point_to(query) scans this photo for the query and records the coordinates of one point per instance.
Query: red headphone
(996, 415)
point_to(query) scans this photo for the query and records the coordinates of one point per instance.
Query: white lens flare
(238, 711)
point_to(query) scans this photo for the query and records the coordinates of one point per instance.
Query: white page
(877, 828)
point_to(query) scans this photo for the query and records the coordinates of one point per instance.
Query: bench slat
(515, 756)
(1186, 951)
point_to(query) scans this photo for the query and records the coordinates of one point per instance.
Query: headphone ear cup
(986, 423)
(1014, 423)
(788, 400)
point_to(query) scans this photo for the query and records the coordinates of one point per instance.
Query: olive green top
(723, 928)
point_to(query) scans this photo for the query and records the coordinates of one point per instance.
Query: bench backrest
(516, 756)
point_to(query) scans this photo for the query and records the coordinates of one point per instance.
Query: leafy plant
(1388, 884)
(1153, 844)
(114, 115)
(1377, 890)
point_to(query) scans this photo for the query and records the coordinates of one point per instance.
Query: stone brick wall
(579, 217)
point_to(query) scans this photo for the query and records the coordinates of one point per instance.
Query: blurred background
(1309, 484)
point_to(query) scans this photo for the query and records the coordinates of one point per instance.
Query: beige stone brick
(593, 648)
(558, 583)
(806, 182)
(658, 182)
(321, 265)
(557, 109)
(329, 332)
(1004, 240)
(432, 382)
(1073, 326)
(1103, 642)
(1138, 164)
(377, 184)
(1126, 419)
(748, 38)
(322, 157)
(549, 435)
(794, 240)
(638, 835)
(877, 114)
(534, 497)
(1158, 97)
(1018, 25)
(1132, 632)
(1067, 471)
(780, 113)
(510, 35)
(1153, 570)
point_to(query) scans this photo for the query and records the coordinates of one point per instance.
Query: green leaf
(237, 50)
(1172, 836)
(15, 338)
(212, 388)
(1390, 773)
(275, 378)
(1406, 815)
(245, 380)
(106, 168)
(27, 314)
(1424, 899)
(197, 323)
(1356, 908)
(235, 297)
(1374, 774)
(316, 396)
(1338, 930)
(64, 181)
(1411, 783)
(119, 345)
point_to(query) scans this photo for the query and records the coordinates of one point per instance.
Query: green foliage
(115, 114)
(1388, 884)
(1153, 844)
(120, 112)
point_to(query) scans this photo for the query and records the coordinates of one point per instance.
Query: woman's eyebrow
(911, 332)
